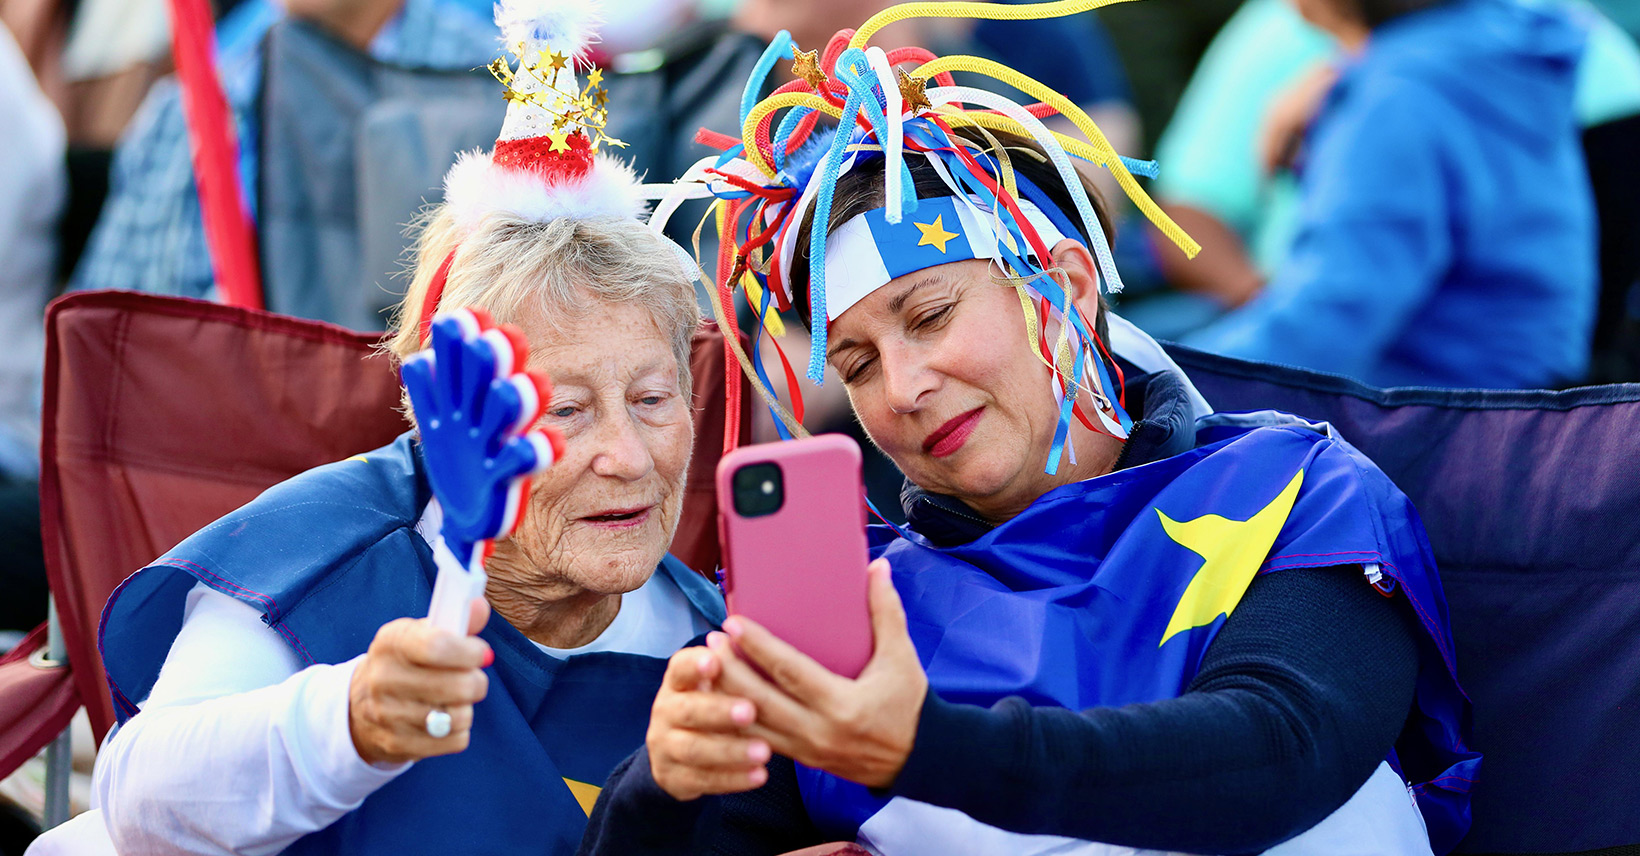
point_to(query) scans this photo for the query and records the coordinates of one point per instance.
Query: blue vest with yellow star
(1109, 591)
(332, 555)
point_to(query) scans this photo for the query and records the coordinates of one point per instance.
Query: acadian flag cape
(1107, 592)
(330, 556)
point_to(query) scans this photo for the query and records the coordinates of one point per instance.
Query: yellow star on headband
(560, 141)
(595, 77)
(913, 92)
(934, 234)
(807, 67)
(1231, 551)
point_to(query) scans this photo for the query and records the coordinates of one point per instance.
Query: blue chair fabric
(1531, 500)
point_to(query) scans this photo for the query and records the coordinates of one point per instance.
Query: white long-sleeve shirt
(239, 749)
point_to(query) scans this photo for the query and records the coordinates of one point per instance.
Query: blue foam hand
(473, 404)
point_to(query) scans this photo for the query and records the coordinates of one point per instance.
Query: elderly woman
(1187, 632)
(273, 677)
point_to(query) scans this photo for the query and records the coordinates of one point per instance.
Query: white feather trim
(565, 26)
(476, 187)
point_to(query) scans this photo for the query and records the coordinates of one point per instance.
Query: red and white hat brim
(477, 187)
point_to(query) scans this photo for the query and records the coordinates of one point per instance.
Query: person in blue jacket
(278, 687)
(1445, 231)
(1114, 620)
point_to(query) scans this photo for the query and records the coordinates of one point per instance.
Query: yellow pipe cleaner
(1069, 110)
(989, 11)
(748, 132)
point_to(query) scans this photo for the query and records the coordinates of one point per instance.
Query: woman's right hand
(413, 667)
(696, 741)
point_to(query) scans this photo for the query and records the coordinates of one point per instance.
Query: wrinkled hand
(862, 729)
(473, 402)
(413, 667)
(697, 742)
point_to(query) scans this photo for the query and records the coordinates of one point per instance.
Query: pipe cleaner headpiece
(546, 163)
(890, 109)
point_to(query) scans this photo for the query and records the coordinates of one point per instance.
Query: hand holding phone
(791, 520)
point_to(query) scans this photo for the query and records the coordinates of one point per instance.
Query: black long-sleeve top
(1299, 697)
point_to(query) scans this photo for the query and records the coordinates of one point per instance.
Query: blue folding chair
(1532, 502)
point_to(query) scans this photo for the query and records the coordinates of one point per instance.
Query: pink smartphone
(791, 520)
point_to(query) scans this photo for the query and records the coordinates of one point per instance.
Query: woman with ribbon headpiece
(1115, 620)
(277, 689)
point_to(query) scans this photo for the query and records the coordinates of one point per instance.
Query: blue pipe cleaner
(854, 71)
(1142, 168)
(878, 118)
(730, 154)
(817, 236)
(783, 133)
(754, 84)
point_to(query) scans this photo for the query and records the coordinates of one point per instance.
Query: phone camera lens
(759, 490)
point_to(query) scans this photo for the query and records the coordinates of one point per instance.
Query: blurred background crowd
(1403, 192)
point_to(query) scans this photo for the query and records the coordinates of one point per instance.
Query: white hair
(554, 272)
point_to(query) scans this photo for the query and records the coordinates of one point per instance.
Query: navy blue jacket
(332, 555)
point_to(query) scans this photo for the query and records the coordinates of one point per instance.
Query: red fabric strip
(229, 232)
(435, 294)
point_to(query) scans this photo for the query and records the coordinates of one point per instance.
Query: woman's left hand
(862, 729)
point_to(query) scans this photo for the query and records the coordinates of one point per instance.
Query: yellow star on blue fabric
(585, 795)
(934, 234)
(1232, 552)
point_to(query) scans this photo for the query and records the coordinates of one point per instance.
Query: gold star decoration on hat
(913, 92)
(807, 67)
(587, 109)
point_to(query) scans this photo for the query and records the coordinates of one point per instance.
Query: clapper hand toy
(474, 404)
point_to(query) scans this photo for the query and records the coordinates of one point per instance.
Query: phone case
(801, 571)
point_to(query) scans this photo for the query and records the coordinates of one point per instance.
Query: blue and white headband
(868, 252)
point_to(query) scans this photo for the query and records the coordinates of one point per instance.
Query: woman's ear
(1081, 275)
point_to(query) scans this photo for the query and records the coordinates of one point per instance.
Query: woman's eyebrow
(839, 347)
(897, 303)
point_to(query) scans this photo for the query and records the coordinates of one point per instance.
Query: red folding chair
(162, 414)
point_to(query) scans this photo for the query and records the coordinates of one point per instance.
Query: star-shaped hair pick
(914, 92)
(807, 68)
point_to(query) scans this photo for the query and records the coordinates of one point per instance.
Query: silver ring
(438, 724)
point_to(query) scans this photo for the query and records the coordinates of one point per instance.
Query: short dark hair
(862, 190)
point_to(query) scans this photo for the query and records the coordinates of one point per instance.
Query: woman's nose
(907, 379)
(622, 451)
